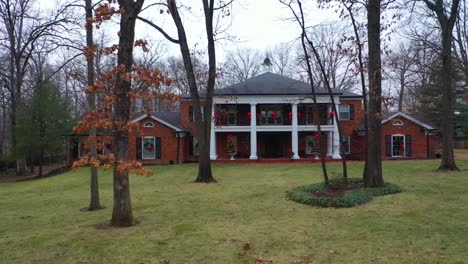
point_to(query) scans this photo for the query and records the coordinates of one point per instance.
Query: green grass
(184, 222)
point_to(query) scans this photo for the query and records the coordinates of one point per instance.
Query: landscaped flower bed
(339, 195)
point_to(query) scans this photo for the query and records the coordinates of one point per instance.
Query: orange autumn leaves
(146, 88)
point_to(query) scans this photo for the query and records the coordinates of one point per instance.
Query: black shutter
(158, 147)
(138, 148)
(388, 145)
(408, 145)
(190, 113)
(351, 112)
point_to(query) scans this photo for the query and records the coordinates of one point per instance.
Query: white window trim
(404, 145)
(398, 122)
(148, 124)
(339, 111)
(143, 147)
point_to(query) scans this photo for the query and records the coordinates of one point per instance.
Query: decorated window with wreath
(149, 148)
(347, 144)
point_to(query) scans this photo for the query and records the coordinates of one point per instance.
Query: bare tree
(203, 125)
(242, 64)
(401, 70)
(23, 28)
(335, 55)
(283, 62)
(94, 203)
(373, 170)
(446, 16)
(461, 40)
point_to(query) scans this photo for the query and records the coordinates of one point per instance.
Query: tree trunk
(203, 125)
(94, 203)
(446, 126)
(373, 168)
(122, 212)
(41, 162)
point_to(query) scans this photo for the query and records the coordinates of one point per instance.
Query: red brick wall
(419, 140)
(168, 143)
(348, 126)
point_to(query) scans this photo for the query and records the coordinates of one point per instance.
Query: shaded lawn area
(184, 222)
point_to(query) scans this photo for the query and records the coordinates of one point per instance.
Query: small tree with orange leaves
(113, 119)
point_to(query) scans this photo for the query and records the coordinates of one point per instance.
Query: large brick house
(271, 116)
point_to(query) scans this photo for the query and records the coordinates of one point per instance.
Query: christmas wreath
(149, 146)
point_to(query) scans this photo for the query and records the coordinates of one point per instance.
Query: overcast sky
(257, 24)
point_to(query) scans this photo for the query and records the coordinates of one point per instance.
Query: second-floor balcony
(271, 115)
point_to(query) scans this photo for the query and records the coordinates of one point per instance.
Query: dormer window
(397, 122)
(148, 124)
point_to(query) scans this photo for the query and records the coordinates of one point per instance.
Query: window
(312, 146)
(192, 113)
(347, 144)
(151, 148)
(398, 145)
(344, 112)
(148, 148)
(310, 115)
(148, 124)
(397, 122)
(232, 115)
(271, 115)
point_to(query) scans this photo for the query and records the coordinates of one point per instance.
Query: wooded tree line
(53, 64)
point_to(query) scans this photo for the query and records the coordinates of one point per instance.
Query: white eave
(138, 119)
(409, 118)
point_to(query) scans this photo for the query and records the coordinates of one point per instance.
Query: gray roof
(273, 84)
(170, 119)
(417, 116)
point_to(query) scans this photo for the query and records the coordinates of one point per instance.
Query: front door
(272, 146)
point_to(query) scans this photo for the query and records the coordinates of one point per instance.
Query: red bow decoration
(332, 114)
(249, 115)
(315, 115)
(299, 114)
(290, 115)
(229, 136)
(151, 149)
(402, 147)
(216, 115)
(274, 115)
(317, 136)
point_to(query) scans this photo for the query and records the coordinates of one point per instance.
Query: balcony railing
(267, 116)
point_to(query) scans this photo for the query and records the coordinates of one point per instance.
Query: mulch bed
(336, 191)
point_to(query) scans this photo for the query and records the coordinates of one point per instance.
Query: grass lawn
(184, 222)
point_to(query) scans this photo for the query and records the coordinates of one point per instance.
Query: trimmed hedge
(303, 194)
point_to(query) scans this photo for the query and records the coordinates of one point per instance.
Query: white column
(253, 131)
(336, 135)
(329, 144)
(294, 133)
(213, 155)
